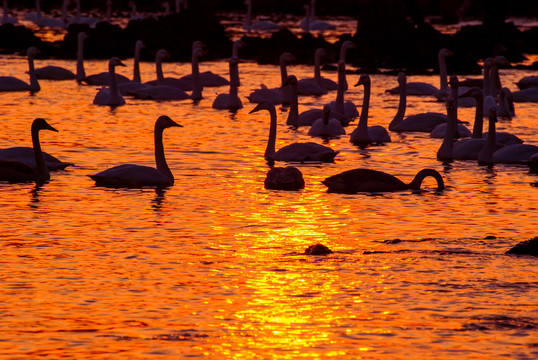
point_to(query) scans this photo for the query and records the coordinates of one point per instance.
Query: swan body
(326, 126)
(363, 134)
(25, 155)
(296, 152)
(372, 181)
(230, 100)
(514, 154)
(440, 130)
(420, 88)
(10, 83)
(161, 80)
(278, 95)
(527, 95)
(110, 96)
(51, 72)
(21, 171)
(338, 106)
(315, 86)
(158, 92)
(130, 175)
(260, 26)
(207, 78)
(525, 82)
(287, 178)
(79, 19)
(309, 22)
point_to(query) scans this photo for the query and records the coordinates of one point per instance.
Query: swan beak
(48, 127)
(257, 108)
(121, 64)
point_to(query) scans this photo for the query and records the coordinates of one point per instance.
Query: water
(213, 267)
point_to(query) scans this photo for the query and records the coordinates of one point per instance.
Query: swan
(495, 85)
(296, 152)
(136, 83)
(309, 22)
(161, 80)
(134, 16)
(527, 95)
(230, 100)
(6, 18)
(287, 178)
(308, 117)
(322, 82)
(110, 96)
(10, 83)
(506, 104)
(237, 44)
(21, 171)
(79, 19)
(327, 127)
(51, 72)
(445, 152)
(259, 25)
(523, 83)
(373, 181)
(129, 175)
(461, 130)
(339, 106)
(314, 86)
(24, 154)
(277, 95)
(420, 88)
(363, 134)
(207, 78)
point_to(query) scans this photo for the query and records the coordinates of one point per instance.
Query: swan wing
(51, 72)
(305, 152)
(129, 175)
(10, 83)
(26, 155)
(363, 180)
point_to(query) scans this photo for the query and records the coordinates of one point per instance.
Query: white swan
(287, 178)
(21, 171)
(6, 18)
(364, 135)
(24, 154)
(423, 122)
(136, 82)
(169, 81)
(296, 152)
(260, 26)
(420, 88)
(373, 181)
(207, 78)
(230, 100)
(10, 83)
(338, 106)
(110, 95)
(327, 127)
(277, 95)
(309, 22)
(130, 175)
(314, 86)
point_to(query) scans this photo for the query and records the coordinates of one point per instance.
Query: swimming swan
(130, 175)
(287, 178)
(327, 127)
(372, 181)
(363, 134)
(10, 83)
(276, 95)
(296, 152)
(6, 18)
(314, 86)
(207, 78)
(259, 25)
(13, 170)
(169, 81)
(338, 106)
(110, 95)
(230, 100)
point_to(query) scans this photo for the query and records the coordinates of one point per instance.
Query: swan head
(488, 63)
(501, 60)
(363, 80)
(402, 78)
(286, 57)
(115, 62)
(139, 44)
(197, 45)
(326, 113)
(265, 105)
(198, 52)
(164, 122)
(320, 52)
(82, 35)
(32, 51)
(445, 53)
(161, 54)
(41, 124)
(291, 80)
(348, 44)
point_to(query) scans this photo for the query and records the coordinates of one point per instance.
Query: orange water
(212, 267)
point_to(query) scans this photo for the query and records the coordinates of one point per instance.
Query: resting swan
(10, 83)
(287, 178)
(420, 88)
(130, 175)
(276, 95)
(230, 100)
(296, 152)
(161, 80)
(365, 135)
(313, 86)
(207, 78)
(326, 127)
(372, 181)
(110, 95)
(14, 170)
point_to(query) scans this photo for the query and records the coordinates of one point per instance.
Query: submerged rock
(318, 249)
(529, 247)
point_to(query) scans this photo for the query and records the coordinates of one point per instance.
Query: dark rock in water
(17, 38)
(529, 247)
(318, 249)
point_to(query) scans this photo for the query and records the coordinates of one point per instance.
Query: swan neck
(160, 159)
(486, 86)
(136, 66)
(422, 174)
(234, 70)
(293, 115)
(443, 72)
(317, 68)
(398, 118)
(445, 150)
(41, 166)
(339, 103)
(363, 121)
(283, 71)
(113, 80)
(478, 117)
(81, 73)
(159, 69)
(271, 143)
(108, 12)
(34, 84)
(485, 156)
(196, 83)
(248, 19)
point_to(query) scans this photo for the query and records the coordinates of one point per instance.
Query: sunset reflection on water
(214, 266)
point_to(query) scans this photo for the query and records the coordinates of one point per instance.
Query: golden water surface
(212, 267)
